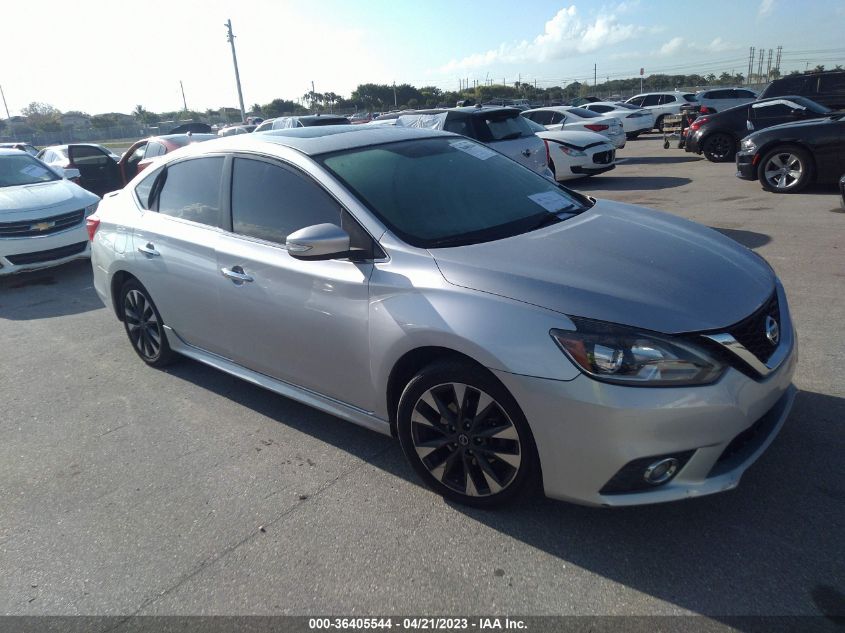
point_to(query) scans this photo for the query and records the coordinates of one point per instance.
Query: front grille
(751, 332)
(42, 226)
(47, 256)
(603, 158)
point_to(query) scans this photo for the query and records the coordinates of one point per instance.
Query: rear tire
(465, 435)
(785, 169)
(719, 148)
(659, 123)
(144, 326)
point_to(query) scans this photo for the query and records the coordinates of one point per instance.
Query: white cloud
(565, 34)
(766, 7)
(677, 45)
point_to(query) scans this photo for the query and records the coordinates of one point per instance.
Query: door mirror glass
(318, 242)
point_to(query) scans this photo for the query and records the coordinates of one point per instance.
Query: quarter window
(270, 201)
(191, 190)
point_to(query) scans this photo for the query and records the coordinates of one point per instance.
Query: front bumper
(33, 253)
(745, 167)
(586, 431)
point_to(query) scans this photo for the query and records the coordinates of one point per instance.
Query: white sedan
(42, 215)
(556, 118)
(634, 120)
(574, 154)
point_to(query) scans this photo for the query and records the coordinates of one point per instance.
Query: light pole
(230, 37)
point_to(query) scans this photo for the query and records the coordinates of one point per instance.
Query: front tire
(465, 435)
(632, 135)
(785, 169)
(659, 123)
(719, 148)
(144, 326)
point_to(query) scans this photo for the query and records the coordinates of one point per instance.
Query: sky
(111, 55)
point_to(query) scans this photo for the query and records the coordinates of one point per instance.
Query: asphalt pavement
(127, 490)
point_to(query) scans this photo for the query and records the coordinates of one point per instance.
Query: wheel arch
(119, 277)
(410, 363)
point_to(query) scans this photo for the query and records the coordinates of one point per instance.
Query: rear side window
(270, 201)
(144, 188)
(832, 83)
(689, 98)
(599, 108)
(583, 113)
(786, 86)
(191, 190)
(745, 94)
(667, 99)
(154, 149)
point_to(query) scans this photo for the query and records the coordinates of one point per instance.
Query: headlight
(91, 208)
(617, 354)
(748, 144)
(571, 151)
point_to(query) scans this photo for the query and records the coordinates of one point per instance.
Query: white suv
(662, 103)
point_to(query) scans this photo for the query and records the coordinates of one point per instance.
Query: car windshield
(583, 113)
(23, 169)
(440, 192)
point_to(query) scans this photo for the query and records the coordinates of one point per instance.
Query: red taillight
(92, 223)
(597, 127)
(548, 155)
(704, 110)
(698, 123)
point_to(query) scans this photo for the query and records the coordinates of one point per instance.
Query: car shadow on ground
(658, 160)
(749, 239)
(629, 183)
(772, 546)
(61, 291)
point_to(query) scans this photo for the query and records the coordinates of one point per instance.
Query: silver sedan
(507, 330)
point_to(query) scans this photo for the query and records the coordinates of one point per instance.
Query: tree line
(372, 97)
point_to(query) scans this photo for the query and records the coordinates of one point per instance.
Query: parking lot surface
(127, 490)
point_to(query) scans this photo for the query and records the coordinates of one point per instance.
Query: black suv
(826, 88)
(717, 135)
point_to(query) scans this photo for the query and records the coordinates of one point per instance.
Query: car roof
(11, 151)
(314, 140)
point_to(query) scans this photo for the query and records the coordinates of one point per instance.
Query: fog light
(661, 471)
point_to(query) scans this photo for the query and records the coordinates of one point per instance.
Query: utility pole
(2, 94)
(595, 78)
(777, 60)
(760, 67)
(230, 37)
(395, 105)
(769, 66)
(184, 103)
(750, 65)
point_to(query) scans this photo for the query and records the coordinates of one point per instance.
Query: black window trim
(227, 226)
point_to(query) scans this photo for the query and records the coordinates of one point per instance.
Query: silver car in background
(505, 328)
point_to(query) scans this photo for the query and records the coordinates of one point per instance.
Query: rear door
(303, 322)
(98, 173)
(174, 248)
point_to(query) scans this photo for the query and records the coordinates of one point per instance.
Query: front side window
(832, 83)
(651, 100)
(543, 117)
(23, 169)
(270, 201)
(440, 192)
(88, 156)
(144, 189)
(583, 113)
(502, 127)
(154, 149)
(636, 101)
(191, 190)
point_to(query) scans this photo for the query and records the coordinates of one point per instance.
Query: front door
(303, 322)
(98, 172)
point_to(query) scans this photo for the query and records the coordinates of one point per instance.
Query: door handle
(149, 249)
(237, 275)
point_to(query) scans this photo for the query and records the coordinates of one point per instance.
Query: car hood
(574, 137)
(51, 195)
(622, 264)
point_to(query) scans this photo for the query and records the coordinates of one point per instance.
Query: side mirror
(318, 242)
(71, 173)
